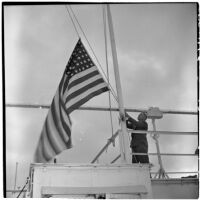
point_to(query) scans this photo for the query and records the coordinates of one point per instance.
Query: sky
(157, 55)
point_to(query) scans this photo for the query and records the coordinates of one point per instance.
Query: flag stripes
(54, 135)
(78, 100)
(80, 90)
(38, 157)
(85, 99)
(74, 86)
(78, 79)
(59, 126)
(47, 148)
(80, 82)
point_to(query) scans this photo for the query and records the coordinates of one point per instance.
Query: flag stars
(79, 61)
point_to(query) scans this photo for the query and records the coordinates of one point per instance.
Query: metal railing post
(161, 172)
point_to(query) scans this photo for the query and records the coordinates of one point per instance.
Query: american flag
(80, 82)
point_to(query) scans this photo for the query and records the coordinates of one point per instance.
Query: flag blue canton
(79, 61)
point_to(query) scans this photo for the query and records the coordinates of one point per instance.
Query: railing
(45, 106)
(150, 154)
(110, 140)
(146, 132)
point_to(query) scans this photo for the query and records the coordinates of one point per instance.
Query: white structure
(175, 188)
(89, 180)
(110, 181)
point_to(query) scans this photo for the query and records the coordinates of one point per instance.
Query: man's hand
(127, 115)
(122, 117)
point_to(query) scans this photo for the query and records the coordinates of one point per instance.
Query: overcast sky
(157, 55)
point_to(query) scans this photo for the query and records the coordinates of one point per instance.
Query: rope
(72, 21)
(112, 90)
(23, 187)
(106, 54)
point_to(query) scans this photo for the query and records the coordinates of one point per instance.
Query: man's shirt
(137, 138)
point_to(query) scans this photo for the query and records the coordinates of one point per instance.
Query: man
(139, 142)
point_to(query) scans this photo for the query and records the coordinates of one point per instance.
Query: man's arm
(129, 118)
(130, 122)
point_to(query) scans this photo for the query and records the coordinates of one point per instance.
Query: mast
(123, 136)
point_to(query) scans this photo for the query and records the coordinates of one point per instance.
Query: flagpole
(123, 136)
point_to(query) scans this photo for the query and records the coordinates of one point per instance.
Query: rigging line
(23, 187)
(112, 90)
(113, 93)
(72, 21)
(106, 52)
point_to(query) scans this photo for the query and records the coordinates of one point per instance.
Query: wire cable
(23, 187)
(113, 92)
(72, 21)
